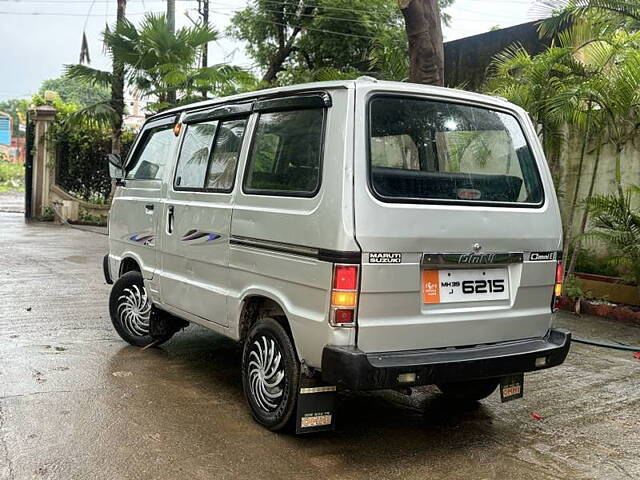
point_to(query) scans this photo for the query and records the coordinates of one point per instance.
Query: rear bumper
(356, 370)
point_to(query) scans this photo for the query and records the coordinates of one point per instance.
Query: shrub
(590, 262)
(81, 164)
(11, 176)
(573, 290)
(616, 223)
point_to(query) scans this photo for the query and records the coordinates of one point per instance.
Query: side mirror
(116, 168)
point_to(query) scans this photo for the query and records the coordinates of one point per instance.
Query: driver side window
(152, 155)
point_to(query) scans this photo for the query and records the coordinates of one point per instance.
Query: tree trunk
(619, 150)
(171, 14)
(574, 200)
(424, 33)
(276, 63)
(585, 214)
(117, 95)
(205, 47)
(286, 45)
(117, 89)
(171, 20)
(205, 20)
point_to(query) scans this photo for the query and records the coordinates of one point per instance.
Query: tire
(129, 308)
(270, 375)
(471, 391)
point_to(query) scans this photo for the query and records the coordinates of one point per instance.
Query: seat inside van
(437, 185)
(297, 167)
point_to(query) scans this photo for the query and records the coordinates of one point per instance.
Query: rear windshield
(430, 151)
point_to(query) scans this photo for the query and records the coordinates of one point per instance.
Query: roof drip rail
(297, 102)
(219, 112)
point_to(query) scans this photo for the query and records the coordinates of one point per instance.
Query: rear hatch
(458, 223)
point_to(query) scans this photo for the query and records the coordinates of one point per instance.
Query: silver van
(353, 235)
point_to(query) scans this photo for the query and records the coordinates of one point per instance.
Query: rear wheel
(470, 391)
(270, 374)
(130, 311)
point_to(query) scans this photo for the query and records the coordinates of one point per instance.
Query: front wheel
(130, 311)
(470, 391)
(270, 374)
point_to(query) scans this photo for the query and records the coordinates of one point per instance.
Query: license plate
(472, 285)
(512, 387)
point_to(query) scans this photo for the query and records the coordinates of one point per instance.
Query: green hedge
(11, 176)
(81, 161)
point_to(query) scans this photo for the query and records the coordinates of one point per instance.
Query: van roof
(365, 82)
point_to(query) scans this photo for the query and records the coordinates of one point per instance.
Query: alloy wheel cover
(266, 373)
(134, 310)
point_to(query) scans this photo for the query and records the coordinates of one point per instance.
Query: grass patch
(11, 177)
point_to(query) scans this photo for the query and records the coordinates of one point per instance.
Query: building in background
(467, 60)
(12, 148)
(135, 113)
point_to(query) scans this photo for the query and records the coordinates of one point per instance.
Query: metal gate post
(28, 167)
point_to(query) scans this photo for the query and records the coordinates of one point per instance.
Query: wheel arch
(130, 263)
(257, 305)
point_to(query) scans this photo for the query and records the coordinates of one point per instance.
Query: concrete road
(78, 403)
(12, 202)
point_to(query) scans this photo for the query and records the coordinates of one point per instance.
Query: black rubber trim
(296, 102)
(106, 271)
(224, 111)
(356, 370)
(333, 256)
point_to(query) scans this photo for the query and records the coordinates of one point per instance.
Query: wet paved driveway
(77, 403)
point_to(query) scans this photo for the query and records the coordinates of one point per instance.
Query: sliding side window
(194, 155)
(209, 155)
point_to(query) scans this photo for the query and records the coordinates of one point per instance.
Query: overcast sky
(37, 37)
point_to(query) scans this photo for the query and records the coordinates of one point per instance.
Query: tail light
(344, 295)
(557, 288)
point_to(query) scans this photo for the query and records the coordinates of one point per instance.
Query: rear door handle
(148, 208)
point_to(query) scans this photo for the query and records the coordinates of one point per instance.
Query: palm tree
(539, 85)
(158, 61)
(589, 80)
(617, 223)
(561, 14)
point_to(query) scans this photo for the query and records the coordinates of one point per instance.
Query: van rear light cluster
(344, 295)
(557, 288)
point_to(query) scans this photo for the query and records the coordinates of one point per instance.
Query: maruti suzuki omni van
(352, 235)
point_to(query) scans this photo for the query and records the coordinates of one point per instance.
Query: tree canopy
(293, 41)
(157, 61)
(75, 91)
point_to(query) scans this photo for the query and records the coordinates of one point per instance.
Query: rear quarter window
(429, 151)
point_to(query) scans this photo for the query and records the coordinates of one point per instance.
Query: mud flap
(163, 323)
(316, 406)
(511, 387)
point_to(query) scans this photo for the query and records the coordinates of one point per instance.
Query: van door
(197, 217)
(137, 206)
(453, 205)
